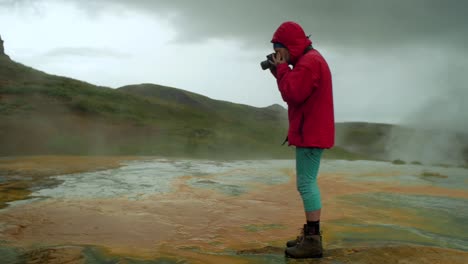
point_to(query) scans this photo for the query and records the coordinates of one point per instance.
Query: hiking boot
(309, 247)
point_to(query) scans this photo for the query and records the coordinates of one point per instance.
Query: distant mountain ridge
(183, 97)
(196, 103)
(165, 93)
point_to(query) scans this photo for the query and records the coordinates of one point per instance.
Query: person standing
(307, 90)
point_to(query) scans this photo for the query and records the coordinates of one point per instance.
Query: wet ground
(192, 211)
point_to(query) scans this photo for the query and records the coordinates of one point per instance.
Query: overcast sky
(392, 61)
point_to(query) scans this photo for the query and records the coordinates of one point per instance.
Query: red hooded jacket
(307, 89)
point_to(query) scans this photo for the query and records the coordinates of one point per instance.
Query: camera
(266, 64)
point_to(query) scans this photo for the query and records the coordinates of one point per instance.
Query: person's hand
(278, 59)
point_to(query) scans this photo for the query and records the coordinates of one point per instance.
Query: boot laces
(301, 236)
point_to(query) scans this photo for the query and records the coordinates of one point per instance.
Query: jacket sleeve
(297, 84)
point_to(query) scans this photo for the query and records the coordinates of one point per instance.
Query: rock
(206, 182)
(2, 49)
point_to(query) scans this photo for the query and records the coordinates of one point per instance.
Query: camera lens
(265, 64)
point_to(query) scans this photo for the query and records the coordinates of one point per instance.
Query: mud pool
(192, 211)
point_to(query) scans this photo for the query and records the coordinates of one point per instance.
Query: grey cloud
(342, 23)
(9, 3)
(362, 24)
(34, 7)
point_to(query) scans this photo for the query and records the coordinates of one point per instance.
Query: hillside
(62, 116)
(47, 114)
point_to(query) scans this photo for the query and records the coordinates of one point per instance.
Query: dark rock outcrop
(2, 49)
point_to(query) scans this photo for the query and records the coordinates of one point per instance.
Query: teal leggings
(307, 167)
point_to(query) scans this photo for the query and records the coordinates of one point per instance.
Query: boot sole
(314, 256)
(292, 245)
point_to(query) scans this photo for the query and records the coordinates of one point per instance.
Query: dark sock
(314, 227)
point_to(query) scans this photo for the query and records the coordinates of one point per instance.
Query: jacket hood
(293, 37)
